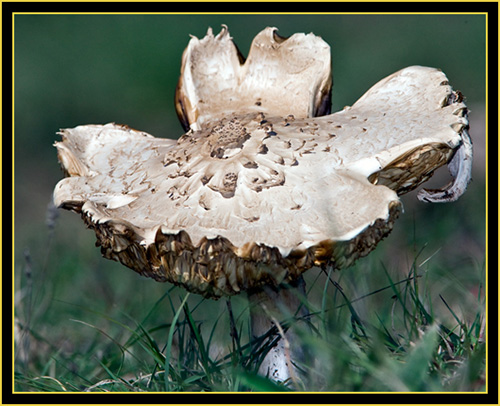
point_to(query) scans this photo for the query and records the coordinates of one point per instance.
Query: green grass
(91, 325)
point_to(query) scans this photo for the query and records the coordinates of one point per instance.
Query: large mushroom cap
(250, 196)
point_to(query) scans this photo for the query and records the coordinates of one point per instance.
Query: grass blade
(168, 351)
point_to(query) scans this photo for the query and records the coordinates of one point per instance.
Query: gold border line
(486, 14)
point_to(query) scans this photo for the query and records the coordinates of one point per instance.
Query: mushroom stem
(268, 307)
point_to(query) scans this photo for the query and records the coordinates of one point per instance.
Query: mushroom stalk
(276, 307)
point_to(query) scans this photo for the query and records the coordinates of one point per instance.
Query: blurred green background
(93, 69)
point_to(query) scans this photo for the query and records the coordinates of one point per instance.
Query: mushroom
(265, 183)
